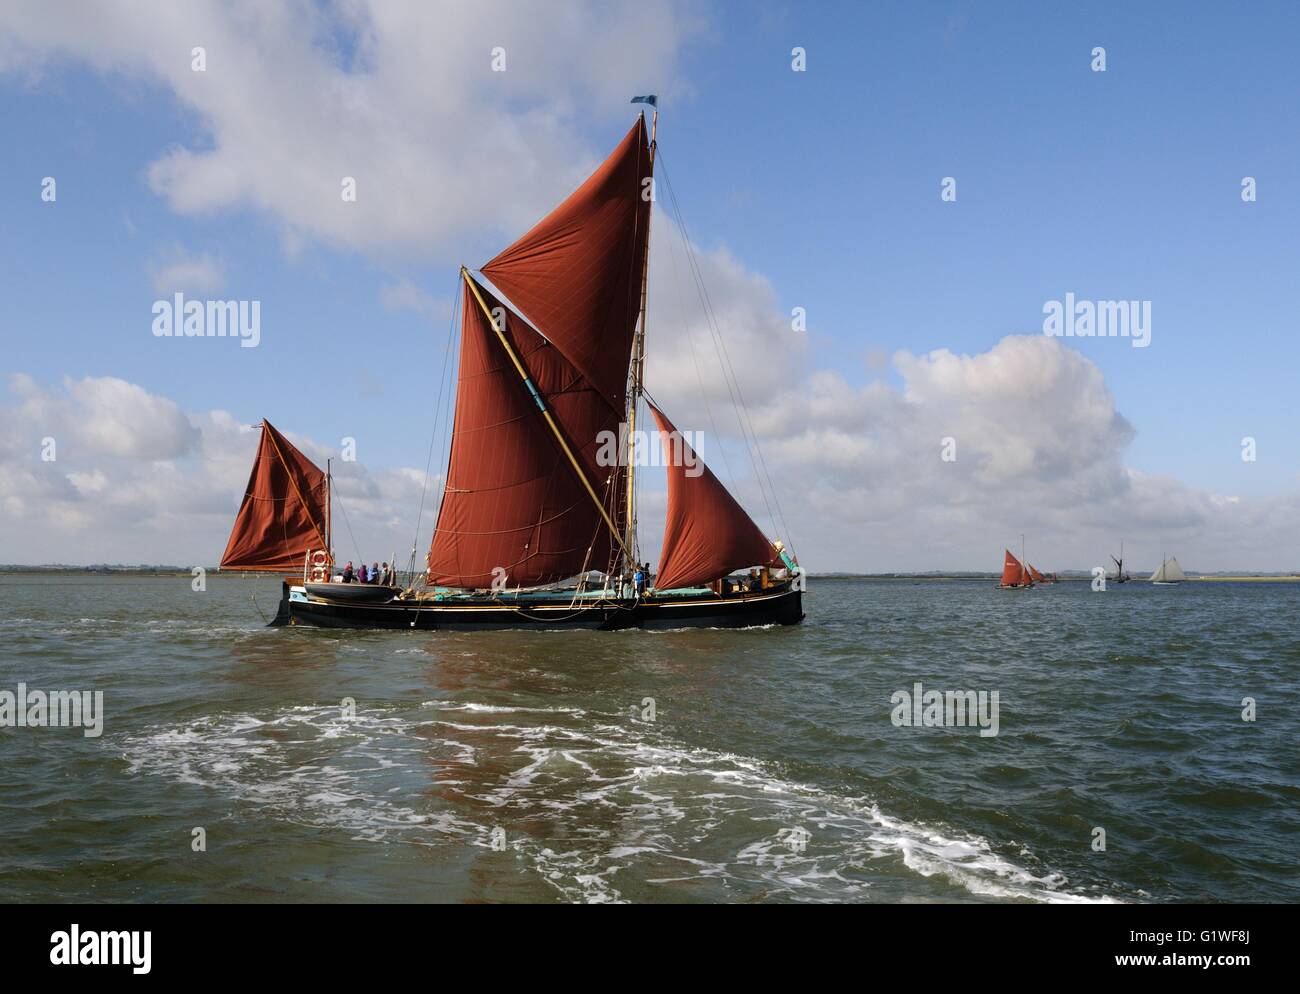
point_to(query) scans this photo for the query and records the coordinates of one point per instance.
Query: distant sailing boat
(1038, 577)
(1014, 574)
(531, 500)
(1120, 576)
(1168, 573)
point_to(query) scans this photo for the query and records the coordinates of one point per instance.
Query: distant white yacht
(1169, 572)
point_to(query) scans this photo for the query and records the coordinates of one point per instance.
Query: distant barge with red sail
(535, 528)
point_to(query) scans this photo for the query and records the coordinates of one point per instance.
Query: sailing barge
(533, 507)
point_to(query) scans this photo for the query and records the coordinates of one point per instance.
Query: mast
(636, 375)
(329, 523)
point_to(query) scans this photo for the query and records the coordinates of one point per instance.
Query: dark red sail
(577, 274)
(513, 506)
(707, 534)
(283, 512)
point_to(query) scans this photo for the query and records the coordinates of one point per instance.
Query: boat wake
(600, 807)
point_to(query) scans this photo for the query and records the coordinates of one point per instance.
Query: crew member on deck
(347, 573)
(374, 572)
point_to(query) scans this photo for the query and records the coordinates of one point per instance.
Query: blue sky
(824, 183)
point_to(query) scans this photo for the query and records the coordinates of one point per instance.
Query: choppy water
(1119, 710)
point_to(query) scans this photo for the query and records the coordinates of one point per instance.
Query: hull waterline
(780, 606)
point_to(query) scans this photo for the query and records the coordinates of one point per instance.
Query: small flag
(650, 99)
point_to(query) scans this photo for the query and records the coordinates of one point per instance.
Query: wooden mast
(329, 517)
(631, 548)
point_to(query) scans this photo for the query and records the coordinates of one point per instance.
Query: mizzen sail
(283, 514)
(707, 534)
(577, 274)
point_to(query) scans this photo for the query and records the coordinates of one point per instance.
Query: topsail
(577, 274)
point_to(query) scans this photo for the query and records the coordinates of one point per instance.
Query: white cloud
(135, 479)
(399, 96)
(406, 296)
(181, 272)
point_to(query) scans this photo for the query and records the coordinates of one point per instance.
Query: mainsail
(577, 274)
(514, 509)
(1013, 573)
(283, 514)
(1168, 572)
(515, 506)
(707, 534)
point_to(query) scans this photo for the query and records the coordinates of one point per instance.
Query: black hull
(774, 607)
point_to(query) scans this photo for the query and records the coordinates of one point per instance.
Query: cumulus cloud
(136, 479)
(181, 272)
(406, 296)
(858, 470)
(401, 98)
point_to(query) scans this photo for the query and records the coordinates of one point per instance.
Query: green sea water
(692, 766)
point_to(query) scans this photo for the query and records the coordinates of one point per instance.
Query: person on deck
(386, 576)
(361, 574)
(645, 579)
(347, 573)
(374, 572)
(638, 581)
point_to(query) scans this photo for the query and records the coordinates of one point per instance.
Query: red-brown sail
(577, 274)
(283, 512)
(707, 534)
(1013, 573)
(1037, 576)
(513, 506)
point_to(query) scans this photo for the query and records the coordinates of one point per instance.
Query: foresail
(707, 534)
(514, 511)
(577, 274)
(283, 512)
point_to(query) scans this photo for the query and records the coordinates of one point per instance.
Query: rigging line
(355, 547)
(729, 374)
(743, 420)
(699, 374)
(437, 417)
(724, 361)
